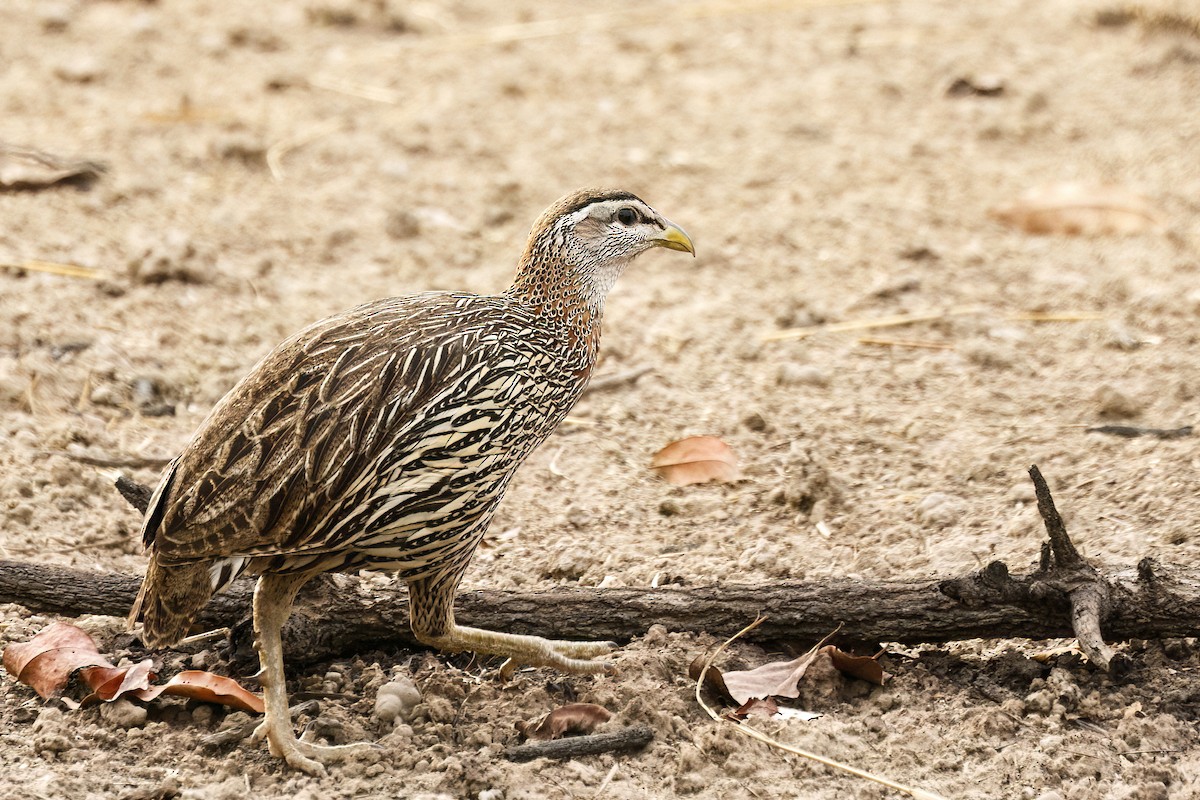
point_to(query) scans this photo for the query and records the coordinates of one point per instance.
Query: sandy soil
(824, 173)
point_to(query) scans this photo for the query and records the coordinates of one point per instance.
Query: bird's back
(381, 435)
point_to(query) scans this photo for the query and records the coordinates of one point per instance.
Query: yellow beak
(675, 238)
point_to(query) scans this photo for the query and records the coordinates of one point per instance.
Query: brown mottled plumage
(384, 437)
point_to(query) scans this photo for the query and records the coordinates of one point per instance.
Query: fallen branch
(1151, 601)
(635, 737)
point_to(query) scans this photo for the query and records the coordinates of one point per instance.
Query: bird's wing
(290, 439)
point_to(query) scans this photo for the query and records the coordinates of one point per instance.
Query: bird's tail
(169, 600)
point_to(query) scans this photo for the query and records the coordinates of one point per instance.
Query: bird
(383, 438)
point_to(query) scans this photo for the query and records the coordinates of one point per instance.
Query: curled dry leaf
(782, 678)
(754, 707)
(712, 679)
(696, 459)
(46, 661)
(1080, 209)
(573, 719)
(205, 686)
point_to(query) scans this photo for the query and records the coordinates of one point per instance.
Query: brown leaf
(754, 707)
(109, 683)
(713, 681)
(24, 168)
(207, 687)
(696, 459)
(573, 719)
(1080, 209)
(46, 661)
(864, 668)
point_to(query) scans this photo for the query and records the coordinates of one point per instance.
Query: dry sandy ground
(825, 174)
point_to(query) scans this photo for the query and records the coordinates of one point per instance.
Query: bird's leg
(431, 609)
(273, 598)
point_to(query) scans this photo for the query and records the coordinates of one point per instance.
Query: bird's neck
(567, 299)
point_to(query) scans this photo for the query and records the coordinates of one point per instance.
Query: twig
(1130, 432)
(277, 151)
(619, 379)
(754, 733)
(134, 493)
(133, 462)
(236, 733)
(897, 320)
(1067, 571)
(635, 737)
(1065, 554)
(869, 324)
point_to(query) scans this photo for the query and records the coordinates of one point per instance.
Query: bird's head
(587, 238)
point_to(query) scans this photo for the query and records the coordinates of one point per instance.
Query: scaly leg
(273, 598)
(431, 609)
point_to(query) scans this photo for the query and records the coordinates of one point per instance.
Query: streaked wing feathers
(290, 440)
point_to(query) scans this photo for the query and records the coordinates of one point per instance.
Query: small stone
(123, 714)
(790, 374)
(81, 68)
(105, 395)
(1039, 702)
(202, 715)
(403, 225)
(941, 509)
(397, 699)
(1112, 403)
(491, 794)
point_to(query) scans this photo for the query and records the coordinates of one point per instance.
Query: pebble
(1111, 402)
(82, 68)
(491, 794)
(941, 509)
(123, 714)
(397, 699)
(790, 374)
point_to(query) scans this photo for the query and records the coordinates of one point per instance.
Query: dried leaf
(754, 707)
(109, 683)
(713, 681)
(24, 168)
(207, 687)
(782, 678)
(696, 459)
(46, 661)
(1080, 209)
(573, 719)
(862, 667)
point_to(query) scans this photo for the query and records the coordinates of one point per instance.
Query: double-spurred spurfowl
(384, 438)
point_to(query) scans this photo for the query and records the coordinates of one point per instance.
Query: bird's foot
(306, 756)
(566, 656)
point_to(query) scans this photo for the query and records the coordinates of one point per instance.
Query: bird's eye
(626, 216)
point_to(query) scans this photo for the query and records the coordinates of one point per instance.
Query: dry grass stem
(55, 268)
(897, 320)
(277, 151)
(746, 730)
(916, 343)
(377, 94)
